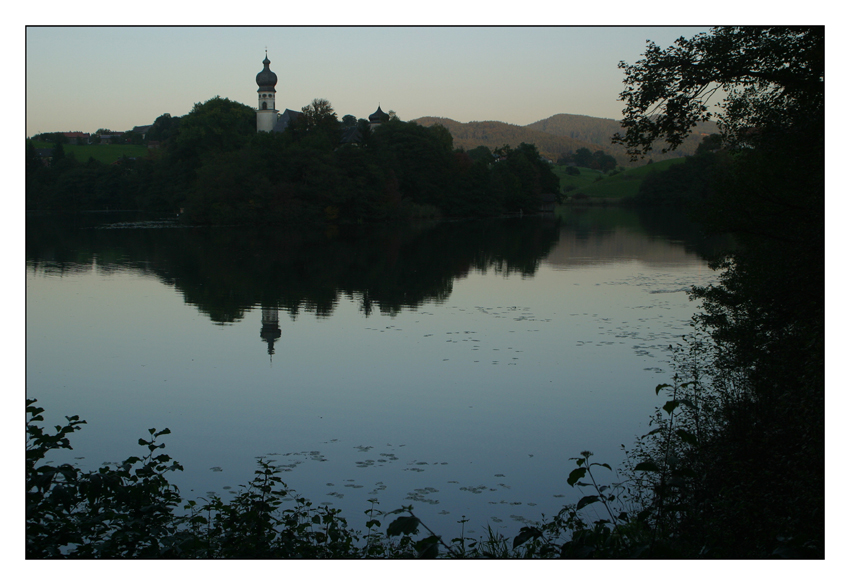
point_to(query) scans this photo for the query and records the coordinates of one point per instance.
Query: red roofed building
(76, 137)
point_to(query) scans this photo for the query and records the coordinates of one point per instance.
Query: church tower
(266, 112)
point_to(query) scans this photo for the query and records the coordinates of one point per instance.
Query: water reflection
(455, 365)
(225, 272)
(270, 331)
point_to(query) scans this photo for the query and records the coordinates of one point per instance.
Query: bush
(131, 510)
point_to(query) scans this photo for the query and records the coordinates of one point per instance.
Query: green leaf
(576, 475)
(647, 466)
(687, 437)
(526, 533)
(586, 501)
(670, 406)
(428, 547)
(403, 525)
(661, 387)
(687, 403)
(653, 432)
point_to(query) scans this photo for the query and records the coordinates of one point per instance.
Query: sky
(86, 78)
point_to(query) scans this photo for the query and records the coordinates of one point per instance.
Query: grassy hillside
(105, 153)
(596, 185)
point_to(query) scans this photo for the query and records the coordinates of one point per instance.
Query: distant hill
(555, 135)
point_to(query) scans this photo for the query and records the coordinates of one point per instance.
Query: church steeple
(266, 112)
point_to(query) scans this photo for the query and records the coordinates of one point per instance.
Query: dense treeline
(215, 167)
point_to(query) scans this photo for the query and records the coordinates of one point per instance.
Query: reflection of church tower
(270, 331)
(266, 114)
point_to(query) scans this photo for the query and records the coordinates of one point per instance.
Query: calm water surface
(455, 367)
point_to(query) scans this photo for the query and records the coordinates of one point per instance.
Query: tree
(442, 135)
(603, 162)
(522, 176)
(163, 128)
(319, 125)
(481, 153)
(747, 78)
(318, 114)
(709, 144)
(762, 477)
(216, 125)
(583, 157)
(130, 137)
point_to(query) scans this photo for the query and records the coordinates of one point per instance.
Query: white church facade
(266, 112)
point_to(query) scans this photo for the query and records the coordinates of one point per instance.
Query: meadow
(105, 153)
(595, 184)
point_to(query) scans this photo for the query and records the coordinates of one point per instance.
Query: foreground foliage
(750, 483)
(131, 510)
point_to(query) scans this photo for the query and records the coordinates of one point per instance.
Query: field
(105, 153)
(595, 184)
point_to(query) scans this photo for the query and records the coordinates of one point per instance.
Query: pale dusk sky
(85, 78)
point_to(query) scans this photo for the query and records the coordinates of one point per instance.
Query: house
(142, 130)
(285, 120)
(351, 135)
(76, 137)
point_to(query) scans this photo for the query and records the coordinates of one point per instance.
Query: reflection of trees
(641, 226)
(226, 271)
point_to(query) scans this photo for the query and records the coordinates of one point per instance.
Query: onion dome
(266, 79)
(378, 116)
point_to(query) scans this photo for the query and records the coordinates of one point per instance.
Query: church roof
(378, 116)
(266, 79)
(351, 135)
(286, 119)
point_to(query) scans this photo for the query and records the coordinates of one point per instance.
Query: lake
(455, 366)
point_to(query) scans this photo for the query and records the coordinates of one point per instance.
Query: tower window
(264, 105)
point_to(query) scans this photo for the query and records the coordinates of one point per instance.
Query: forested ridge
(558, 136)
